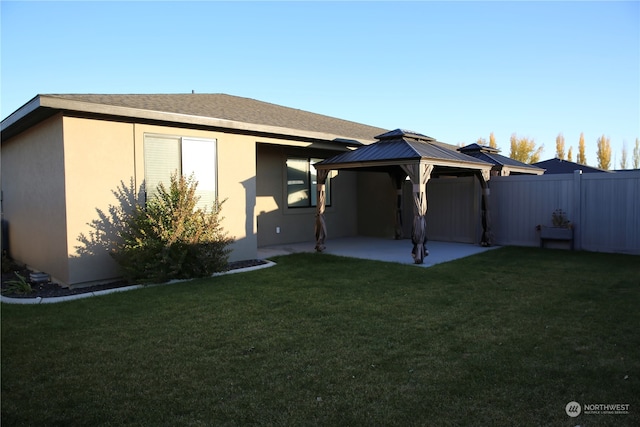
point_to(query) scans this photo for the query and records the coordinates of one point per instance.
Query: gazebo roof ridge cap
(478, 147)
(401, 133)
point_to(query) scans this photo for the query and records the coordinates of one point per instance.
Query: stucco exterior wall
(59, 179)
(33, 190)
(98, 157)
(297, 224)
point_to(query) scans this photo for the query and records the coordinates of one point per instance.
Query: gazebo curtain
(398, 179)
(487, 234)
(419, 174)
(321, 227)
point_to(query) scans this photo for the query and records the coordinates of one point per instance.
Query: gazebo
(401, 154)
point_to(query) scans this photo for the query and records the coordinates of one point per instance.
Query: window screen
(161, 159)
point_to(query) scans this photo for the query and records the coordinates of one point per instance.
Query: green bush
(170, 239)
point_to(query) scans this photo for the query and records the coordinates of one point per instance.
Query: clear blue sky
(453, 70)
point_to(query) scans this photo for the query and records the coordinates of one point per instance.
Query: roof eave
(20, 113)
(62, 104)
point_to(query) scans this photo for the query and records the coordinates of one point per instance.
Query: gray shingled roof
(233, 108)
(401, 145)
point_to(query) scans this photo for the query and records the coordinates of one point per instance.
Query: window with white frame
(166, 155)
(302, 183)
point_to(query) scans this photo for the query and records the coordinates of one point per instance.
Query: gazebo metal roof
(490, 154)
(401, 146)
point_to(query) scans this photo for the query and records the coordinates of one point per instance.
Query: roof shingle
(233, 108)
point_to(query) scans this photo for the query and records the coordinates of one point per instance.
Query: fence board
(604, 208)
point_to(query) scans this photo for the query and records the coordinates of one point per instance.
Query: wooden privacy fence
(604, 209)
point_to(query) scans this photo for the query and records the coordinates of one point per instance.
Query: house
(502, 166)
(67, 159)
(557, 166)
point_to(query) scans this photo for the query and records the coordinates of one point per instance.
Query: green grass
(507, 337)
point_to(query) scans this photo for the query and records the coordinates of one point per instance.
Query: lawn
(507, 337)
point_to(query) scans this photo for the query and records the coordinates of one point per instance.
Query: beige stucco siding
(59, 179)
(33, 189)
(99, 157)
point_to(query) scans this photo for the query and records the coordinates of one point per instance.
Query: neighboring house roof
(557, 166)
(402, 145)
(215, 110)
(490, 154)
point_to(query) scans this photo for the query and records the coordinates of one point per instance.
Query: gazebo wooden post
(321, 227)
(487, 234)
(398, 179)
(419, 174)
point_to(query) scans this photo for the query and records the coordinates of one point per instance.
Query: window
(166, 155)
(302, 184)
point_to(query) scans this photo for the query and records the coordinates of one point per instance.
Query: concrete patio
(388, 250)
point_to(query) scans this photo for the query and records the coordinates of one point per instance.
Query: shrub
(170, 238)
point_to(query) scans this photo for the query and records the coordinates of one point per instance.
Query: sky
(455, 71)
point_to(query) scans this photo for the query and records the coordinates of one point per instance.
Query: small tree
(170, 239)
(524, 150)
(582, 158)
(623, 157)
(570, 154)
(603, 152)
(560, 146)
(636, 154)
(492, 141)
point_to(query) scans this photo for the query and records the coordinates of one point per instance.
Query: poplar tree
(570, 154)
(582, 158)
(636, 155)
(524, 149)
(603, 152)
(623, 157)
(492, 141)
(560, 146)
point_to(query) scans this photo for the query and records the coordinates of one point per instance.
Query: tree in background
(603, 152)
(623, 157)
(524, 149)
(636, 155)
(492, 141)
(582, 158)
(560, 146)
(570, 154)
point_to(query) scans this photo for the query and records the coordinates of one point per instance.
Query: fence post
(577, 209)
